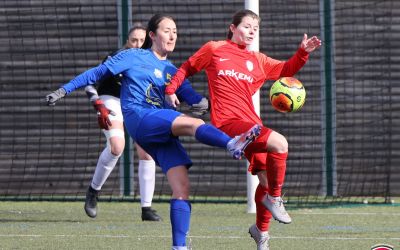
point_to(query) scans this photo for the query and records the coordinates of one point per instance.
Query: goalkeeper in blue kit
(152, 123)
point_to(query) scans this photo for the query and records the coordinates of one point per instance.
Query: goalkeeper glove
(201, 108)
(55, 96)
(102, 114)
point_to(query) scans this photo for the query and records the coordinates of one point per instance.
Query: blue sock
(210, 135)
(180, 221)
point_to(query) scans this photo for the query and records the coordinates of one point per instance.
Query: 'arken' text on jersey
(236, 75)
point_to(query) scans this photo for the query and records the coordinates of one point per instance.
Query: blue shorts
(154, 135)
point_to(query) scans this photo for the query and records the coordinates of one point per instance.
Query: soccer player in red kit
(234, 75)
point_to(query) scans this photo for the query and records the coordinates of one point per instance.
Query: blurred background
(344, 144)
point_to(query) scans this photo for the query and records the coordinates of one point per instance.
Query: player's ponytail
(237, 19)
(153, 26)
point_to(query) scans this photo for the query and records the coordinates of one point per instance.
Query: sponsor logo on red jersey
(236, 75)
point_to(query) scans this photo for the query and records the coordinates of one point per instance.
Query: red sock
(276, 169)
(263, 215)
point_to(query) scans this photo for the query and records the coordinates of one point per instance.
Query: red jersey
(234, 75)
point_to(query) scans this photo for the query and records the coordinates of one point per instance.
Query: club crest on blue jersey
(158, 73)
(153, 96)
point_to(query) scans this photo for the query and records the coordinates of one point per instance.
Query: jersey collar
(236, 45)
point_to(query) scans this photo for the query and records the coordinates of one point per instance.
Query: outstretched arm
(90, 76)
(91, 93)
(297, 61)
(310, 44)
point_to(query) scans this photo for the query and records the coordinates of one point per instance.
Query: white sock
(147, 180)
(105, 165)
(179, 248)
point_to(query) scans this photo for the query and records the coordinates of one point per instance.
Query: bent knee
(117, 151)
(115, 141)
(199, 122)
(195, 123)
(282, 146)
(277, 143)
(117, 146)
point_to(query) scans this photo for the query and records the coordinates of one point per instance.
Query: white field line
(190, 236)
(290, 211)
(343, 213)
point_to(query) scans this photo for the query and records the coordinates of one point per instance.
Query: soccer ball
(287, 95)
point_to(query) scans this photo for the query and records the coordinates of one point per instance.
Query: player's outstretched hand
(310, 44)
(172, 100)
(201, 108)
(102, 114)
(52, 98)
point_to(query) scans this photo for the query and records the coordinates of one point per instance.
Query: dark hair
(237, 19)
(136, 26)
(153, 26)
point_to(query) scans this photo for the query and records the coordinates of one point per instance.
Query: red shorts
(256, 152)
